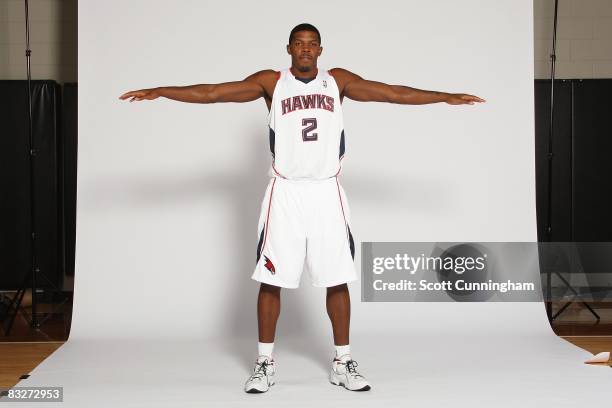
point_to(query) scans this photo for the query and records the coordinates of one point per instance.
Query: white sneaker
(344, 373)
(262, 377)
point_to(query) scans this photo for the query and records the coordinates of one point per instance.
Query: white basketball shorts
(304, 224)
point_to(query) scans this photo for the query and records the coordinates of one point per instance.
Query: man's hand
(142, 94)
(462, 99)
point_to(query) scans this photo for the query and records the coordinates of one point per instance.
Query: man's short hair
(304, 27)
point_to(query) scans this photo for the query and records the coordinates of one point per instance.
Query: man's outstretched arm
(355, 87)
(251, 88)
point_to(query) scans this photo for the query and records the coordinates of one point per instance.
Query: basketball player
(305, 217)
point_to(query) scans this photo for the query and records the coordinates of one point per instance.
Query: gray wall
(53, 39)
(584, 38)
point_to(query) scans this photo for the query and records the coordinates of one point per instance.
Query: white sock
(343, 352)
(265, 349)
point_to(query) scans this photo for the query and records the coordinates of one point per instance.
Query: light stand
(30, 279)
(550, 155)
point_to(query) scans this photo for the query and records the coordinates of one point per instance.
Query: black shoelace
(260, 369)
(351, 368)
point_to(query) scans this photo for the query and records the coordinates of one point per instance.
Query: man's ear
(288, 50)
(320, 51)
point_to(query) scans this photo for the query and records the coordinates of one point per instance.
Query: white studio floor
(527, 370)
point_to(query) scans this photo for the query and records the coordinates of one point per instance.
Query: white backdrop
(169, 194)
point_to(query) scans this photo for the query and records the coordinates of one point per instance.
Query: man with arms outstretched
(304, 217)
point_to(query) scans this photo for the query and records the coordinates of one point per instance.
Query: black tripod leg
(561, 310)
(16, 304)
(576, 294)
(591, 310)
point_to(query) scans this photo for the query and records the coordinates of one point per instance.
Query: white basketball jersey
(306, 127)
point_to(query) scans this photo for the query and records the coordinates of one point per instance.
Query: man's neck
(311, 74)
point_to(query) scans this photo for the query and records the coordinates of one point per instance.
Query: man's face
(304, 50)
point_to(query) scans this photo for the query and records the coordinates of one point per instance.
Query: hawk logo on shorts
(269, 265)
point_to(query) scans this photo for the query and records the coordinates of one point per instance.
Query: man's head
(304, 47)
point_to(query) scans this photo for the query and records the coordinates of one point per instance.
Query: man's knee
(337, 289)
(267, 288)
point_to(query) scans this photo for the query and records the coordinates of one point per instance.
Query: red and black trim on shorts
(263, 235)
(349, 236)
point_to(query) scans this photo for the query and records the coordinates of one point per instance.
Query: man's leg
(280, 259)
(339, 311)
(343, 367)
(268, 310)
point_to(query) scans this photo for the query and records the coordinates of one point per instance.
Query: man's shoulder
(266, 79)
(342, 76)
(265, 75)
(337, 71)
(341, 73)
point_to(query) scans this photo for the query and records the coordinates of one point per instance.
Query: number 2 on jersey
(311, 124)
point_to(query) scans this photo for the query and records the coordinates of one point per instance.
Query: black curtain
(69, 173)
(582, 168)
(592, 164)
(15, 223)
